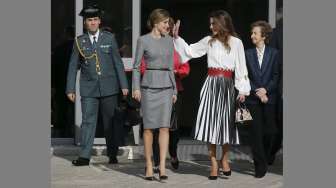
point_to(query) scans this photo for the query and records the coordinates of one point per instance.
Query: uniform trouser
(261, 133)
(174, 136)
(90, 107)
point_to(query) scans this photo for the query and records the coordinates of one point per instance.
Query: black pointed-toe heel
(226, 173)
(212, 177)
(163, 177)
(149, 178)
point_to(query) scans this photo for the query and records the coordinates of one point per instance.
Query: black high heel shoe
(226, 173)
(149, 178)
(213, 177)
(162, 177)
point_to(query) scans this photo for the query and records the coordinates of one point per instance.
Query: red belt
(219, 72)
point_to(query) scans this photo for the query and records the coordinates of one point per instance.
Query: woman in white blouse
(226, 59)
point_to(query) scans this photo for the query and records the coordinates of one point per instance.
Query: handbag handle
(242, 105)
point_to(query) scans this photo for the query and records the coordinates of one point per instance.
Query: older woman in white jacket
(226, 59)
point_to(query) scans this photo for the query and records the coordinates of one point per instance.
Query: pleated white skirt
(215, 117)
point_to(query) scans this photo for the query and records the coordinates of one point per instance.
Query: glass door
(62, 35)
(122, 19)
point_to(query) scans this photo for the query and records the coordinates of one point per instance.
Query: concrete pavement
(129, 174)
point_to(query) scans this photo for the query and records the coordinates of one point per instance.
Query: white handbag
(243, 115)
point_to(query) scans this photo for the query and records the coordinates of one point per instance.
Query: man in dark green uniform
(102, 77)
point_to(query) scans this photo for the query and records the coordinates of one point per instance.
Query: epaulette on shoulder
(80, 36)
(108, 33)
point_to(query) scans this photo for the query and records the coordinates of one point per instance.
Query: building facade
(127, 20)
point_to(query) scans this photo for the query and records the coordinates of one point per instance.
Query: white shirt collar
(262, 50)
(260, 54)
(95, 35)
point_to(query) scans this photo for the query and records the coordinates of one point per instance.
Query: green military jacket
(102, 70)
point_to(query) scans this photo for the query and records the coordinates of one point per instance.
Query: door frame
(136, 28)
(136, 8)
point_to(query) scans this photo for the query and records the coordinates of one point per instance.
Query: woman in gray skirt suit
(157, 89)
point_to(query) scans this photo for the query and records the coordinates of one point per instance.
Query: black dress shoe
(212, 177)
(175, 163)
(113, 160)
(81, 162)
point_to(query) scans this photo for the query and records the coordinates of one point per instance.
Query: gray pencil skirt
(156, 107)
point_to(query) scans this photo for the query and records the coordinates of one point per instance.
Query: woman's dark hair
(222, 23)
(265, 28)
(171, 25)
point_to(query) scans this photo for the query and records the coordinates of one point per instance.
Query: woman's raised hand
(176, 29)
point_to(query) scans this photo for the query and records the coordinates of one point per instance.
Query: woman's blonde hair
(156, 16)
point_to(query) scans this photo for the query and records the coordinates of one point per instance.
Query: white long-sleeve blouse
(219, 57)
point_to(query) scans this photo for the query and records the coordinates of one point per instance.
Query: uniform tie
(94, 43)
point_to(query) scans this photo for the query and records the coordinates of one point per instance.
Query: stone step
(187, 150)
